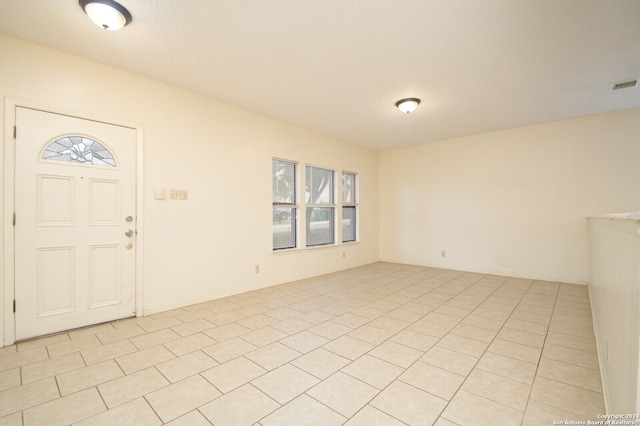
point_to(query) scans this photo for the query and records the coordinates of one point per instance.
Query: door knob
(129, 233)
(128, 246)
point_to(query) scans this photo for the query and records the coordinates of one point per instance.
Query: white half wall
(512, 202)
(615, 300)
(208, 246)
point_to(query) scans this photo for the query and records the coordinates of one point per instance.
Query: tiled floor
(384, 344)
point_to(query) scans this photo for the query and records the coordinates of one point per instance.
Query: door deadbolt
(129, 233)
(128, 219)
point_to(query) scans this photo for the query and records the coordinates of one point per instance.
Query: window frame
(331, 206)
(354, 204)
(294, 205)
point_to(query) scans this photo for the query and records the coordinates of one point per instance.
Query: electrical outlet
(443, 253)
(344, 254)
(257, 269)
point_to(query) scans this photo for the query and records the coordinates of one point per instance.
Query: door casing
(8, 277)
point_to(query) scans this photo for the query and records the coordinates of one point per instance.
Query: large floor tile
(173, 401)
(370, 416)
(447, 359)
(303, 411)
(349, 347)
(233, 374)
(18, 359)
(128, 388)
(99, 354)
(304, 341)
(285, 383)
(192, 418)
(88, 377)
(343, 393)
(571, 356)
(374, 371)
(9, 379)
(137, 412)
(409, 404)
(321, 363)
(503, 390)
(508, 367)
(395, 353)
(229, 349)
(272, 356)
(244, 406)
(146, 358)
(540, 414)
(26, 396)
(51, 367)
(66, 410)
(464, 345)
(185, 366)
(570, 374)
(568, 397)
(432, 379)
(469, 409)
(515, 350)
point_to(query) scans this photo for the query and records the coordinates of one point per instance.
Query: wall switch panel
(178, 194)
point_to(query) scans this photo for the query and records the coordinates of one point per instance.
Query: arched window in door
(79, 149)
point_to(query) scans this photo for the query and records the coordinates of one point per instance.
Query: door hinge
(15, 132)
(14, 219)
(14, 306)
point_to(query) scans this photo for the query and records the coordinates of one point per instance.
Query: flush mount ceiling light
(106, 13)
(407, 105)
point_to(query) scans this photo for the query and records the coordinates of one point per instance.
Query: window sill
(313, 248)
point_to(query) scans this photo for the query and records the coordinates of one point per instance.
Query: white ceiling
(338, 66)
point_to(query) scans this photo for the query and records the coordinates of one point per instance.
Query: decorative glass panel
(79, 149)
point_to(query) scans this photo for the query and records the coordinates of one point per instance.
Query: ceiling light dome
(106, 13)
(408, 104)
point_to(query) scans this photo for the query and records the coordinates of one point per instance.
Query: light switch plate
(178, 194)
(160, 193)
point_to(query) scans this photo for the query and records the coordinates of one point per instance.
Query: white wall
(208, 246)
(615, 299)
(512, 202)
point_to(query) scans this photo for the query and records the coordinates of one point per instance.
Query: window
(79, 149)
(320, 206)
(284, 204)
(349, 207)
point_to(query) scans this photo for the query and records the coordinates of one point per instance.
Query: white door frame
(8, 278)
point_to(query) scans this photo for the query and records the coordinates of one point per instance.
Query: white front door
(75, 227)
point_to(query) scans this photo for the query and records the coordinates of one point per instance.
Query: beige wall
(208, 246)
(512, 202)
